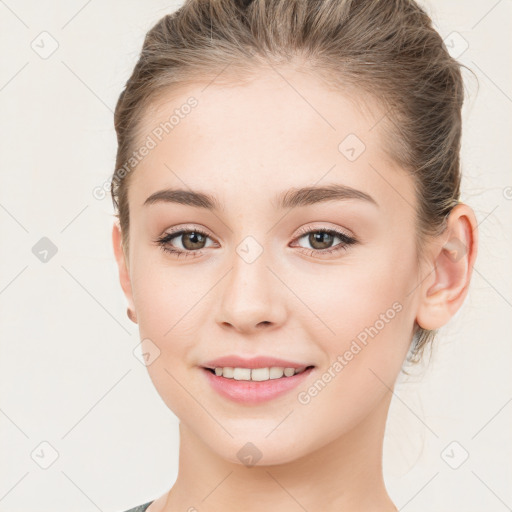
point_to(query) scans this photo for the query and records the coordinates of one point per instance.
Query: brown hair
(387, 49)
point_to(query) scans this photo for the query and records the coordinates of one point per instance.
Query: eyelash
(164, 240)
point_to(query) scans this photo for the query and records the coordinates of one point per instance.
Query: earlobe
(454, 254)
(122, 264)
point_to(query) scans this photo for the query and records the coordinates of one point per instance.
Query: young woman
(289, 232)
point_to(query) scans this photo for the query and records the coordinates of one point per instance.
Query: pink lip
(252, 392)
(253, 362)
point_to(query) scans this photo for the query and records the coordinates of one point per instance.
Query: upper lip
(233, 361)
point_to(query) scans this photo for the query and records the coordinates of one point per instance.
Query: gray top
(140, 508)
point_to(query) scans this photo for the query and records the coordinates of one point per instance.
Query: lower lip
(253, 392)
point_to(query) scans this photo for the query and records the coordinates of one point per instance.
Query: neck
(344, 475)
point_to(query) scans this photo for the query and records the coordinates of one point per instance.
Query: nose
(252, 298)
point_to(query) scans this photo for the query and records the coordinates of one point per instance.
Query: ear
(453, 257)
(122, 264)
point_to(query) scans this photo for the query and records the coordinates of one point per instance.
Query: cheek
(162, 293)
(168, 304)
(349, 298)
(369, 321)
(364, 311)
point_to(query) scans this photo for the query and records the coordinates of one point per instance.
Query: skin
(244, 144)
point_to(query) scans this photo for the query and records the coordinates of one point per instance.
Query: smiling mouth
(257, 374)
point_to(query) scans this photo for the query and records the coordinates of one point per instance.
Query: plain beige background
(76, 399)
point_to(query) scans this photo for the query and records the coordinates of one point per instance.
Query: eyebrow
(292, 198)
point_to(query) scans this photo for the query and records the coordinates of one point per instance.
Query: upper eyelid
(186, 229)
(301, 231)
(314, 229)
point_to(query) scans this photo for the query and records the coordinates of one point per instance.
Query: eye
(322, 239)
(191, 241)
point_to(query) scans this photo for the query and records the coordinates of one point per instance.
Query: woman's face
(261, 282)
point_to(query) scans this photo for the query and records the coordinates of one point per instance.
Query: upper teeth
(257, 374)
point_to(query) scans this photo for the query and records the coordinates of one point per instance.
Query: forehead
(285, 101)
(280, 129)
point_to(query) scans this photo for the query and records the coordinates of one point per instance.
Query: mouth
(251, 386)
(256, 374)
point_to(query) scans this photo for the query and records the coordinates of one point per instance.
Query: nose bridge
(250, 297)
